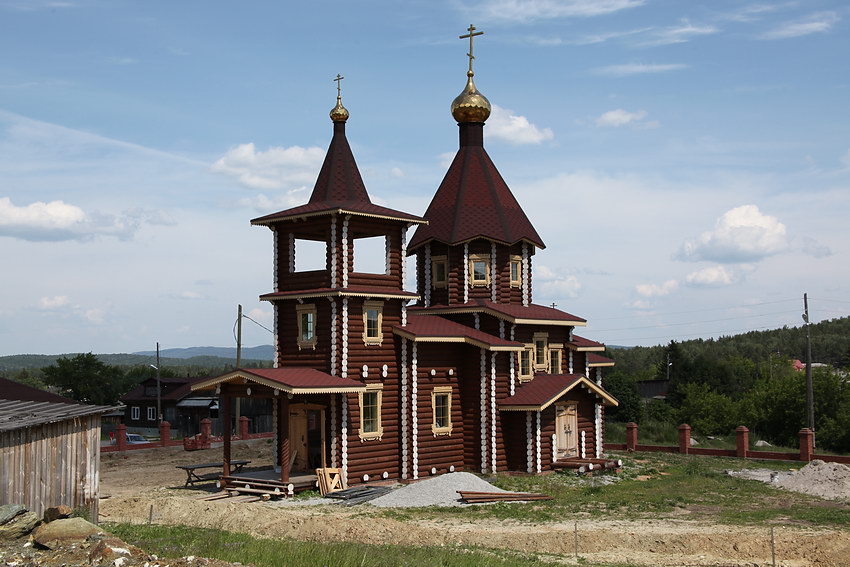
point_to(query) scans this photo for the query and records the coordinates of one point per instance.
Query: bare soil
(137, 482)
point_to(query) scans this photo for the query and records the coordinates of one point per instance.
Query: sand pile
(826, 480)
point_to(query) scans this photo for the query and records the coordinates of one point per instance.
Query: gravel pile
(435, 491)
(825, 480)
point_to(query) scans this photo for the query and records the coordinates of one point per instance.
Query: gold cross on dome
(472, 33)
(338, 80)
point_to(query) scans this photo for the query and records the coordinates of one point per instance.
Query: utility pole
(238, 358)
(810, 391)
(158, 392)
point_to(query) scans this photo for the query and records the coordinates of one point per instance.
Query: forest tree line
(715, 385)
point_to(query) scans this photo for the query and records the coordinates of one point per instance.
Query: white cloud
(96, 315)
(263, 203)
(814, 248)
(532, 10)
(751, 13)
(681, 33)
(57, 221)
(845, 159)
(742, 234)
(505, 125)
(190, 295)
(816, 23)
(55, 302)
(275, 168)
(620, 117)
(446, 159)
(715, 276)
(551, 285)
(397, 172)
(603, 37)
(657, 290)
(637, 69)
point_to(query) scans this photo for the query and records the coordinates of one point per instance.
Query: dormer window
(479, 270)
(439, 271)
(516, 271)
(372, 321)
(306, 325)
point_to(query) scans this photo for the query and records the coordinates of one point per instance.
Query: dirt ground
(133, 482)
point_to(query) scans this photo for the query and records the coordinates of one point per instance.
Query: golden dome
(470, 105)
(339, 113)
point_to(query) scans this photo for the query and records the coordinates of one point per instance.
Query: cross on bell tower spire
(472, 33)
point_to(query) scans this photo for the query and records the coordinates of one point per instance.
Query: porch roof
(594, 360)
(582, 344)
(546, 389)
(291, 379)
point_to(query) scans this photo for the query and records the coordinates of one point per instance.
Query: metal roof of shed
(20, 414)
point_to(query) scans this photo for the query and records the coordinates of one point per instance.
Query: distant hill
(262, 352)
(198, 358)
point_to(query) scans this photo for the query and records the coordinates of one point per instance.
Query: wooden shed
(49, 450)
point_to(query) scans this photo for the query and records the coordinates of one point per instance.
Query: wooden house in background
(473, 376)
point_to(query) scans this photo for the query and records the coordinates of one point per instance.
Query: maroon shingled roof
(511, 311)
(361, 290)
(473, 201)
(593, 358)
(290, 378)
(339, 188)
(581, 343)
(11, 390)
(439, 329)
(545, 389)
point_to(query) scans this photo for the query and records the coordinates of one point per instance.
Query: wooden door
(298, 437)
(566, 430)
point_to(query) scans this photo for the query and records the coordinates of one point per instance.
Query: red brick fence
(742, 447)
(200, 441)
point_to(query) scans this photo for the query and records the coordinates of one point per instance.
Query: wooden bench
(192, 477)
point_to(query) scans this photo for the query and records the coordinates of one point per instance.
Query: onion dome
(470, 105)
(339, 113)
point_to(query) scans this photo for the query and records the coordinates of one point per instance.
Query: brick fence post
(807, 444)
(631, 436)
(684, 438)
(742, 445)
(206, 429)
(164, 433)
(121, 434)
(243, 427)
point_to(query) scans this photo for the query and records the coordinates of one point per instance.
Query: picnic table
(192, 477)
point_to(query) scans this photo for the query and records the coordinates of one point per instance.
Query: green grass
(654, 485)
(180, 541)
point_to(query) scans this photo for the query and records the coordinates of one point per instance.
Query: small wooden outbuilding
(49, 449)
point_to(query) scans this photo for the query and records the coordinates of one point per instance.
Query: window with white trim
(373, 319)
(525, 372)
(516, 271)
(439, 271)
(555, 361)
(479, 269)
(306, 314)
(541, 352)
(151, 413)
(441, 406)
(135, 413)
(370, 413)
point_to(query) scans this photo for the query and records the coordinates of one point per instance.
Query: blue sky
(686, 163)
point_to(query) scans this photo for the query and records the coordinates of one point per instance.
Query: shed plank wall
(52, 464)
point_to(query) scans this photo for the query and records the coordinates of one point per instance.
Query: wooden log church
(465, 373)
